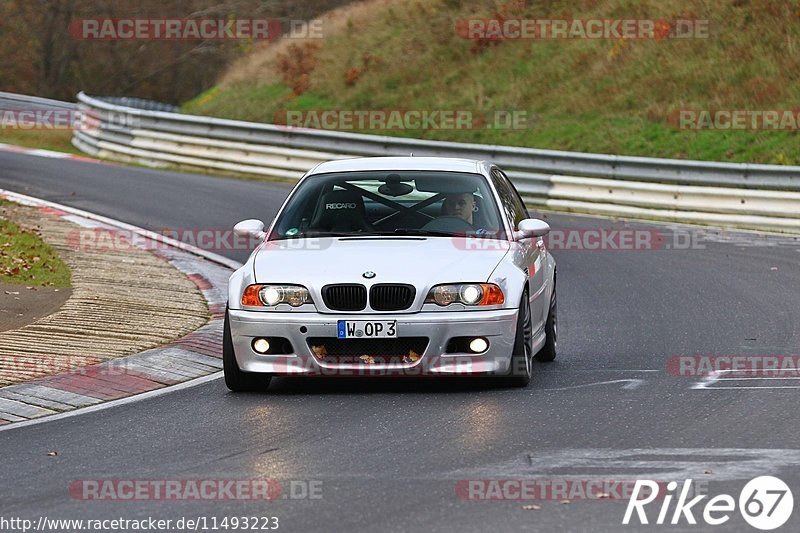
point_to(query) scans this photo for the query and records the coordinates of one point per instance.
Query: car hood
(419, 261)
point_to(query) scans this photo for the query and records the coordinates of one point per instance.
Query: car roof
(402, 163)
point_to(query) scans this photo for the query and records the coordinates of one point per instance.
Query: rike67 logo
(765, 503)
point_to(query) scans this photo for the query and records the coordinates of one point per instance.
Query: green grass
(27, 260)
(602, 96)
(56, 140)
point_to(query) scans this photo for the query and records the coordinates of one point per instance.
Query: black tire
(520, 371)
(235, 379)
(548, 351)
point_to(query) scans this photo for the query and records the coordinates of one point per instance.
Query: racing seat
(340, 211)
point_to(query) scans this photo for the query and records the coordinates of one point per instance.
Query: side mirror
(250, 228)
(530, 228)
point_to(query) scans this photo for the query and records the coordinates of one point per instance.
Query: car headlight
(470, 294)
(272, 295)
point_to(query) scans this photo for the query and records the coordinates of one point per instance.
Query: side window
(513, 206)
(520, 203)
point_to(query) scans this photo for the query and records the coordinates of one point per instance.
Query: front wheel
(235, 379)
(520, 371)
(548, 351)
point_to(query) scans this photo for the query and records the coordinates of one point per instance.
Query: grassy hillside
(608, 96)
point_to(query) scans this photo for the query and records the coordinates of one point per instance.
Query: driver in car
(465, 207)
(461, 205)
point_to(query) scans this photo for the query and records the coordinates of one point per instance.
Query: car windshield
(388, 203)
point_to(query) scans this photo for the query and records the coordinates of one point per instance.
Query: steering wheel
(449, 223)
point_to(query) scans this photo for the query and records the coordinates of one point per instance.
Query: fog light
(262, 345)
(479, 345)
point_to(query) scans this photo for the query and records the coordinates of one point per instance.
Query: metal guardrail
(139, 103)
(727, 194)
(11, 101)
(15, 101)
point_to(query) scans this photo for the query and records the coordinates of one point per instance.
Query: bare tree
(38, 55)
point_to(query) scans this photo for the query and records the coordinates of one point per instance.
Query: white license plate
(367, 329)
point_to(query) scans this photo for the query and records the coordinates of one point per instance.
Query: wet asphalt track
(389, 454)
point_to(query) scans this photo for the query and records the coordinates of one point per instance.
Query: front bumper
(497, 326)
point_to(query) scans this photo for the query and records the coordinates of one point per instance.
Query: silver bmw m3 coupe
(394, 266)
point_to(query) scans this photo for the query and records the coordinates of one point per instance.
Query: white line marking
(655, 463)
(38, 152)
(753, 379)
(631, 384)
(646, 222)
(717, 376)
(49, 153)
(114, 403)
(753, 387)
(707, 381)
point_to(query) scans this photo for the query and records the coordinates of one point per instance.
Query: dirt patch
(21, 305)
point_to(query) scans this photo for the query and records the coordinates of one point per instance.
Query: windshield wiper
(313, 234)
(399, 231)
(423, 232)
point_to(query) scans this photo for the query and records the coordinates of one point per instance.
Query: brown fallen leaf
(414, 356)
(320, 351)
(368, 359)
